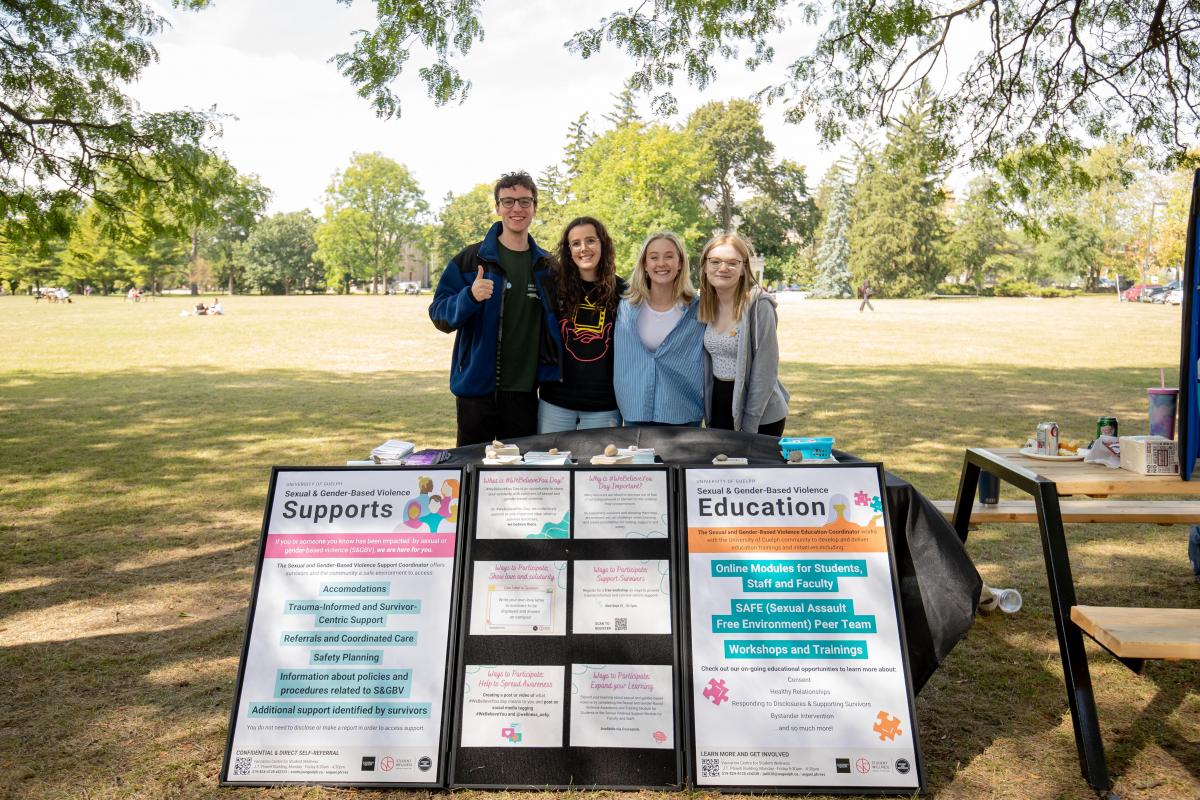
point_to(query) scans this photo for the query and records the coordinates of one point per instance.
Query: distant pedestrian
(865, 291)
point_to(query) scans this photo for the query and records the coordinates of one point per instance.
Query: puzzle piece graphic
(876, 503)
(860, 498)
(716, 691)
(887, 726)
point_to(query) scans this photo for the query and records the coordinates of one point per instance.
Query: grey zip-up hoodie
(758, 394)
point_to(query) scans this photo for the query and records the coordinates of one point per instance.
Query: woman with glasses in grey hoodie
(742, 391)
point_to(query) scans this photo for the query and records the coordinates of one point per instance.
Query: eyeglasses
(717, 263)
(579, 244)
(509, 202)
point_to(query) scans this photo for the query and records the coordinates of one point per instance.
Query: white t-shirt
(653, 326)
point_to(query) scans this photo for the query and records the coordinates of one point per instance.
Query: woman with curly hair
(586, 291)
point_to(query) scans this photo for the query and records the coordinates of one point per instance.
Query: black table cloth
(939, 585)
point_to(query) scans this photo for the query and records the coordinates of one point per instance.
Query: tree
(1171, 238)
(1051, 71)
(278, 255)
(641, 178)
(781, 220)
(579, 139)
(465, 218)
(897, 228)
(979, 235)
(386, 209)
(1070, 248)
(30, 260)
(93, 258)
(739, 152)
(833, 256)
(67, 129)
(625, 110)
(235, 213)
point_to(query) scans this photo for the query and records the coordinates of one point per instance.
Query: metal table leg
(1078, 679)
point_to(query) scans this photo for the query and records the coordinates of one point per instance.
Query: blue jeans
(552, 418)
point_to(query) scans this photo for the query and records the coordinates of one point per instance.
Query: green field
(136, 445)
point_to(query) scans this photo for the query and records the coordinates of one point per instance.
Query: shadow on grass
(120, 487)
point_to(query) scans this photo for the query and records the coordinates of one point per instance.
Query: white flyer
(622, 705)
(519, 598)
(622, 597)
(621, 504)
(523, 504)
(512, 706)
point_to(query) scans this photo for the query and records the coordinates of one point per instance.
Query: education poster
(344, 670)
(798, 673)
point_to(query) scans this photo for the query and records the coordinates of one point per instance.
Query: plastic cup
(1007, 600)
(1162, 411)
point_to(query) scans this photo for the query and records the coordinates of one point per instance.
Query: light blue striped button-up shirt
(666, 385)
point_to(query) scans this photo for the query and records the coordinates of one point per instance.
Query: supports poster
(344, 671)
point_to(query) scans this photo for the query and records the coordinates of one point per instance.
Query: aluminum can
(1047, 438)
(1106, 426)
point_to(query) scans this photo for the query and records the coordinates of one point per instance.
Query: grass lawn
(136, 445)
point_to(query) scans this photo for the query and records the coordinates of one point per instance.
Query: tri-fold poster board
(636, 626)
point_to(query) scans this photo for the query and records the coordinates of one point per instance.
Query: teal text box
(841, 649)
(345, 657)
(342, 682)
(355, 588)
(339, 709)
(338, 638)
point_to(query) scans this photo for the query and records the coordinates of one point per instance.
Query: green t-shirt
(522, 322)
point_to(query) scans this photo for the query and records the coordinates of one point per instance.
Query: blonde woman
(659, 343)
(742, 391)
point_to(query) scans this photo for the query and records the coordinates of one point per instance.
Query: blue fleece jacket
(475, 367)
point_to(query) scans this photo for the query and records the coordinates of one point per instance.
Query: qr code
(241, 765)
(621, 623)
(710, 768)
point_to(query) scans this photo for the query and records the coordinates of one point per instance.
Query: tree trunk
(192, 263)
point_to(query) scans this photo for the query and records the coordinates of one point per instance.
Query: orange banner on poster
(843, 538)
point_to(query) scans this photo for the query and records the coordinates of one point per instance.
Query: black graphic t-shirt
(587, 369)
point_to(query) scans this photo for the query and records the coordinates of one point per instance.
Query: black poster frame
(1188, 413)
(688, 687)
(567, 767)
(447, 704)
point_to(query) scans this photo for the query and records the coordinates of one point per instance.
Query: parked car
(1150, 293)
(1133, 292)
(1173, 296)
(1161, 295)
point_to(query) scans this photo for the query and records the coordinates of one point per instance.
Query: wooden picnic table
(1131, 635)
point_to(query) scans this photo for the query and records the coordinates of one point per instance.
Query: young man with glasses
(493, 295)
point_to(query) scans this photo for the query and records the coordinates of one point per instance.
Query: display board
(1189, 348)
(798, 674)
(345, 664)
(568, 665)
